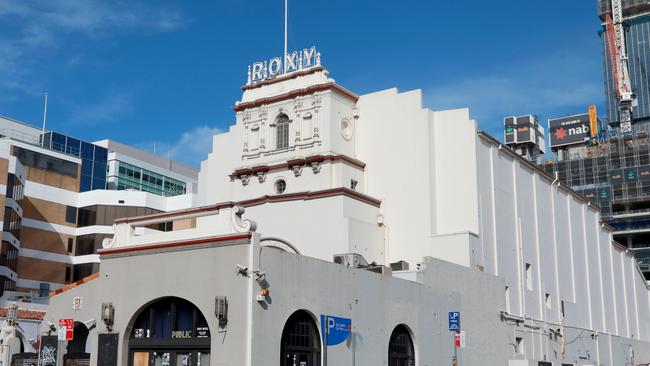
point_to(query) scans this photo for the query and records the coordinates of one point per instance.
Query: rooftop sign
(294, 61)
(569, 130)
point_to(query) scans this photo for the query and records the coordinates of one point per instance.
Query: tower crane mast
(619, 63)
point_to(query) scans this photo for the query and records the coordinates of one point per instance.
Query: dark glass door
(170, 358)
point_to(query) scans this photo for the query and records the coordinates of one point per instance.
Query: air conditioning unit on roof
(351, 260)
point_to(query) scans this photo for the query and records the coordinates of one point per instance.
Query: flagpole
(286, 21)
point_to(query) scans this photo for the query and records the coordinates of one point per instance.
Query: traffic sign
(67, 326)
(459, 338)
(454, 321)
(336, 330)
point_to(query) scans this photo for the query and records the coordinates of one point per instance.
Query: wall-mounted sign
(77, 302)
(459, 338)
(525, 129)
(616, 176)
(644, 172)
(510, 127)
(454, 321)
(569, 130)
(202, 332)
(294, 61)
(335, 330)
(68, 329)
(182, 334)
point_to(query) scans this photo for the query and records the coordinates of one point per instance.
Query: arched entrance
(76, 349)
(400, 348)
(300, 344)
(169, 332)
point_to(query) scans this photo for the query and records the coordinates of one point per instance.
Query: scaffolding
(614, 174)
(630, 7)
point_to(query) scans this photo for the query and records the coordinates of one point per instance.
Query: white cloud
(544, 87)
(192, 147)
(42, 19)
(37, 26)
(107, 110)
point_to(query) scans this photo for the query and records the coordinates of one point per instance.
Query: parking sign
(454, 321)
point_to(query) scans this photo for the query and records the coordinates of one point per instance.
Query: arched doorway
(300, 344)
(169, 332)
(400, 348)
(76, 349)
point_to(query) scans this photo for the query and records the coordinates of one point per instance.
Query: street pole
(327, 332)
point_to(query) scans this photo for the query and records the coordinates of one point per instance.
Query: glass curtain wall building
(133, 177)
(94, 159)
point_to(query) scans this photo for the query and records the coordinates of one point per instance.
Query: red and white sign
(68, 324)
(459, 338)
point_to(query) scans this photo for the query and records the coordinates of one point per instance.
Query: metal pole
(455, 350)
(44, 119)
(327, 332)
(286, 21)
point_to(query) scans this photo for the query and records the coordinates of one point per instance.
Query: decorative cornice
(297, 93)
(278, 79)
(308, 161)
(259, 201)
(311, 196)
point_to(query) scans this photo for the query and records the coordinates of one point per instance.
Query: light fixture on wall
(108, 315)
(221, 310)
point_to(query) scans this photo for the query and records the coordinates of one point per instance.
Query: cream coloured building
(322, 171)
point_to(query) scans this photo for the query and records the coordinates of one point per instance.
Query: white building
(323, 172)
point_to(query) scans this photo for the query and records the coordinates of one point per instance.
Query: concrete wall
(526, 220)
(376, 303)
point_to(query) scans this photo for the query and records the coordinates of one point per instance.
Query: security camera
(260, 276)
(90, 324)
(241, 270)
(52, 327)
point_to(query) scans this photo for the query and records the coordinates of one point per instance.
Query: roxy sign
(294, 61)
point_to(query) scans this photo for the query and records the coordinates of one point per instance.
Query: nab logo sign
(561, 133)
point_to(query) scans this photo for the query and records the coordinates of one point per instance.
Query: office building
(59, 205)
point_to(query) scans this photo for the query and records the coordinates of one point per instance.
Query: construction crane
(618, 60)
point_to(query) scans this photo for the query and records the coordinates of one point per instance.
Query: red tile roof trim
(258, 201)
(140, 248)
(74, 284)
(24, 314)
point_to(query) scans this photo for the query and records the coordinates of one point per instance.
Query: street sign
(335, 330)
(67, 326)
(454, 321)
(459, 338)
(61, 334)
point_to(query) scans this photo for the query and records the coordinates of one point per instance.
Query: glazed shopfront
(169, 332)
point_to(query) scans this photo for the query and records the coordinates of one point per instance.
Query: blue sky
(166, 73)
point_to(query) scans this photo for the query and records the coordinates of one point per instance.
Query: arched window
(300, 345)
(170, 331)
(400, 348)
(282, 127)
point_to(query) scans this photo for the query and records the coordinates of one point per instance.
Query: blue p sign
(454, 321)
(335, 330)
